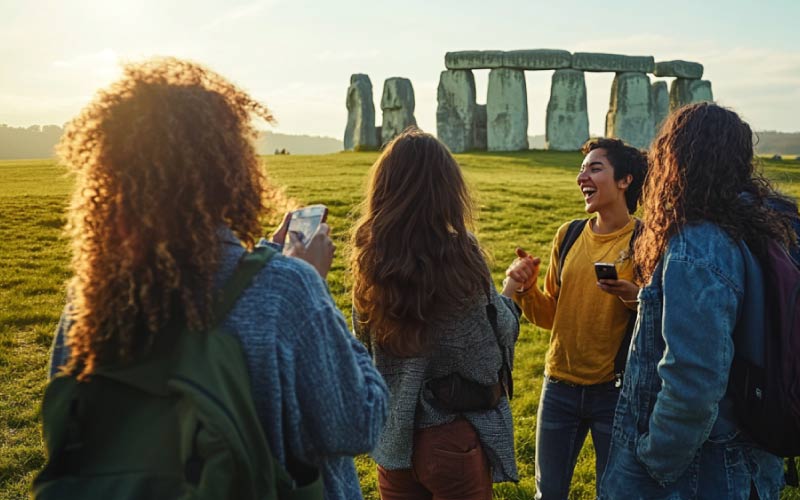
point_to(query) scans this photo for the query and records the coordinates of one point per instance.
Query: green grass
(522, 199)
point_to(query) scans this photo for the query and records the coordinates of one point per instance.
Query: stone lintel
(474, 59)
(537, 59)
(679, 69)
(595, 61)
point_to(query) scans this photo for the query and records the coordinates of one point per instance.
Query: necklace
(609, 245)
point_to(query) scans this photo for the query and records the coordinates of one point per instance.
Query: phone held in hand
(605, 271)
(306, 220)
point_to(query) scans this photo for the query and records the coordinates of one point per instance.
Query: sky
(297, 56)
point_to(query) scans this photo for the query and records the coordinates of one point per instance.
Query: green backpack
(178, 425)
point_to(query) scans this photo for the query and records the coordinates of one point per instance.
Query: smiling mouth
(588, 193)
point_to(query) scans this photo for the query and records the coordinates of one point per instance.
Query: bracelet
(634, 301)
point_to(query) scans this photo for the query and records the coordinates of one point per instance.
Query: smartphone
(306, 220)
(605, 271)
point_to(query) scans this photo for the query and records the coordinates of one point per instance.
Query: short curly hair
(626, 160)
(164, 159)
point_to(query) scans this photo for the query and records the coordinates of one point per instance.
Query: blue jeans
(567, 413)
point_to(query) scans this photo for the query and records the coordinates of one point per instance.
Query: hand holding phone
(605, 271)
(306, 220)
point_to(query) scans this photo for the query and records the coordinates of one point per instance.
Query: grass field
(522, 199)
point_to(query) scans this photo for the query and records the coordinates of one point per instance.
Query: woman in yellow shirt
(587, 317)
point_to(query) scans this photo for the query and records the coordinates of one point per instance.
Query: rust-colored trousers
(448, 463)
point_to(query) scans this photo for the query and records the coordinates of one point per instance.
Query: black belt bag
(456, 393)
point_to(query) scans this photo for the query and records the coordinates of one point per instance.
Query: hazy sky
(297, 56)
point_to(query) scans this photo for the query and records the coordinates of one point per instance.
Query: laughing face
(596, 182)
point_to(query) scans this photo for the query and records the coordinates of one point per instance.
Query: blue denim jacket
(675, 435)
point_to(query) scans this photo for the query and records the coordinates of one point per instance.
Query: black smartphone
(605, 271)
(306, 220)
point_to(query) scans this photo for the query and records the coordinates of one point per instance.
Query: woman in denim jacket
(675, 435)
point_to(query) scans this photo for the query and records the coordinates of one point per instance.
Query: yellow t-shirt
(587, 323)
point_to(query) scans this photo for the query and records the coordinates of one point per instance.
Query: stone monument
(397, 105)
(360, 132)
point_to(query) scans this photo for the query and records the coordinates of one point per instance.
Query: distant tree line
(28, 142)
(38, 142)
(771, 142)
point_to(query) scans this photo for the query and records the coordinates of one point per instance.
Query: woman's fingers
(279, 236)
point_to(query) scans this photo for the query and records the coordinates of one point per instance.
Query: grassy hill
(522, 199)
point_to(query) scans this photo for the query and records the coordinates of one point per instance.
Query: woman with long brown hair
(424, 301)
(169, 198)
(706, 213)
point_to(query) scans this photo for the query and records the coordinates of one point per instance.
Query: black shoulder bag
(456, 393)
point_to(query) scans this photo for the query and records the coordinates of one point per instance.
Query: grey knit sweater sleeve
(315, 388)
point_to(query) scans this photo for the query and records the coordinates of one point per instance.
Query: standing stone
(701, 91)
(455, 113)
(507, 111)
(679, 93)
(684, 91)
(479, 141)
(567, 120)
(660, 102)
(630, 113)
(360, 131)
(397, 104)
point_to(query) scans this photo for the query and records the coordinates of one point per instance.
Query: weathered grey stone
(398, 105)
(360, 131)
(684, 91)
(507, 111)
(701, 91)
(595, 61)
(455, 113)
(479, 141)
(679, 69)
(567, 127)
(630, 113)
(537, 59)
(474, 59)
(679, 93)
(660, 102)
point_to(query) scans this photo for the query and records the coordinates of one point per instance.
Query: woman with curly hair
(168, 199)
(424, 302)
(706, 211)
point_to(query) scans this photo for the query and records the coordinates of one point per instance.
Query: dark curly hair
(163, 159)
(701, 169)
(626, 160)
(413, 257)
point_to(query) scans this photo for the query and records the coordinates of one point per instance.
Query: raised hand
(318, 252)
(524, 269)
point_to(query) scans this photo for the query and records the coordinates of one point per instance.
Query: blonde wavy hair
(163, 160)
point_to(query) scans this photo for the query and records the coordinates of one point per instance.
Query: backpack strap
(573, 231)
(249, 265)
(621, 359)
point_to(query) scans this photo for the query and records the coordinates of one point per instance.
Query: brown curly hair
(163, 159)
(413, 257)
(702, 169)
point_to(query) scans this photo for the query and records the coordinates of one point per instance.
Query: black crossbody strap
(504, 373)
(573, 231)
